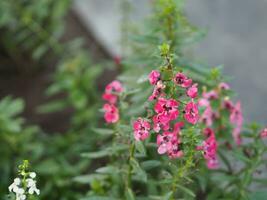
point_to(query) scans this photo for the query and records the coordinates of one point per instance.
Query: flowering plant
(173, 131)
(24, 187)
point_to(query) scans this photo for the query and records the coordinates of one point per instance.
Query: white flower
(14, 186)
(32, 174)
(20, 194)
(31, 184)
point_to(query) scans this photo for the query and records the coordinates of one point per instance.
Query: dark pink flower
(191, 113)
(175, 151)
(111, 113)
(141, 129)
(181, 80)
(228, 104)
(161, 122)
(236, 118)
(154, 77)
(263, 133)
(158, 91)
(224, 86)
(192, 91)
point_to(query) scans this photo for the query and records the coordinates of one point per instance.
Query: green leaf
(103, 131)
(186, 190)
(99, 198)
(107, 170)
(150, 164)
(129, 194)
(84, 179)
(140, 147)
(139, 173)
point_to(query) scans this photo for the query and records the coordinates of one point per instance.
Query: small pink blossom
(141, 129)
(191, 113)
(209, 148)
(181, 80)
(111, 113)
(192, 91)
(210, 95)
(224, 86)
(110, 90)
(154, 77)
(207, 116)
(161, 122)
(263, 133)
(203, 102)
(228, 104)
(158, 91)
(236, 118)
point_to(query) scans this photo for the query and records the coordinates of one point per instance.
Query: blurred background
(236, 39)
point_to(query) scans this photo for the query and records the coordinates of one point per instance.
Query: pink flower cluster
(209, 115)
(209, 148)
(166, 112)
(111, 96)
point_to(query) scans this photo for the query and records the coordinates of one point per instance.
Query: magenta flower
(181, 80)
(111, 113)
(236, 118)
(161, 122)
(110, 90)
(263, 133)
(167, 109)
(191, 113)
(192, 91)
(141, 129)
(154, 77)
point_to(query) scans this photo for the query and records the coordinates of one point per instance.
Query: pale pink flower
(263, 133)
(111, 113)
(192, 91)
(210, 95)
(236, 118)
(224, 86)
(207, 116)
(141, 129)
(181, 80)
(191, 113)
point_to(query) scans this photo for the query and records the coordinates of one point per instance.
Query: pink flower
(207, 116)
(165, 142)
(204, 102)
(191, 113)
(111, 88)
(160, 122)
(181, 80)
(209, 148)
(224, 86)
(175, 151)
(236, 118)
(141, 129)
(158, 91)
(192, 91)
(167, 108)
(228, 104)
(111, 113)
(263, 133)
(210, 95)
(154, 77)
